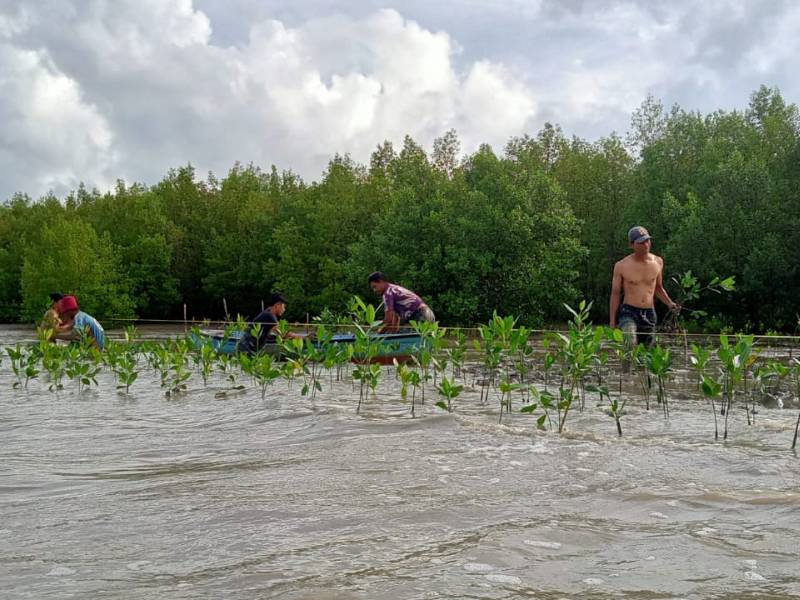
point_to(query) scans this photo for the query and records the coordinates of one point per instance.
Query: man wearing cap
(254, 341)
(75, 320)
(638, 278)
(399, 304)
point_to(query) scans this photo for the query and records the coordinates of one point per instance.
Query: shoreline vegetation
(523, 231)
(547, 379)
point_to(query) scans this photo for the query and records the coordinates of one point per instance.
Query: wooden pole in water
(262, 306)
(225, 307)
(184, 317)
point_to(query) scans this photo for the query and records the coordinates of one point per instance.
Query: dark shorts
(423, 313)
(640, 322)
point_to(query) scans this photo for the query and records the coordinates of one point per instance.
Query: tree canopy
(521, 232)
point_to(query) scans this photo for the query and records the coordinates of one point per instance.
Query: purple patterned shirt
(402, 301)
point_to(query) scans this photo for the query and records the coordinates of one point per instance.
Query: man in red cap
(76, 320)
(638, 277)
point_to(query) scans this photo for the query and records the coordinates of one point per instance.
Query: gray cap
(638, 234)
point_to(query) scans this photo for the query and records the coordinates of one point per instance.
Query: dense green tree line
(521, 232)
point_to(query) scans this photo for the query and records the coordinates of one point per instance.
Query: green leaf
(442, 405)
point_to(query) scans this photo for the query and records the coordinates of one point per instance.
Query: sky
(98, 90)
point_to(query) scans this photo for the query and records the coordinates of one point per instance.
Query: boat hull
(388, 347)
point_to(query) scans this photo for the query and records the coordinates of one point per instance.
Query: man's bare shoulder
(623, 262)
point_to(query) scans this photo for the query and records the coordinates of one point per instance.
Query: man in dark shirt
(268, 319)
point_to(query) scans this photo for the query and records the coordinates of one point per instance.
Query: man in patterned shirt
(400, 305)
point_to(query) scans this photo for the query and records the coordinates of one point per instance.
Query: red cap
(67, 303)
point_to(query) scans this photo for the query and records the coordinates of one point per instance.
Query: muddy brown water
(218, 493)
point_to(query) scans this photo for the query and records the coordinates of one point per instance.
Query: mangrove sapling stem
(796, 427)
(746, 397)
(716, 427)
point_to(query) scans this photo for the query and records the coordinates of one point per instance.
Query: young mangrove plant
(576, 353)
(365, 347)
(796, 379)
(688, 290)
(522, 353)
(448, 391)
(17, 356)
(699, 359)
(537, 399)
(492, 345)
(368, 375)
(205, 356)
(127, 369)
(733, 359)
(264, 371)
(659, 364)
(179, 372)
(408, 377)
(640, 356)
(712, 389)
(615, 341)
(458, 354)
(298, 358)
(82, 363)
(429, 354)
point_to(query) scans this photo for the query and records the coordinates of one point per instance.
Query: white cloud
(50, 137)
(149, 88)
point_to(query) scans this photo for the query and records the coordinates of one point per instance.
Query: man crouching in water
(638, 277)
(77, 321)
(401, 306)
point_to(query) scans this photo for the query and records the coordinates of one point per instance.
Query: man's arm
(616, 292)
(66, 331)
(391, 321)
(661, 292)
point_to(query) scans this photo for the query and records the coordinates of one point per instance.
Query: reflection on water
(107, 496)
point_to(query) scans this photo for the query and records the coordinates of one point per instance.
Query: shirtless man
(638, 277)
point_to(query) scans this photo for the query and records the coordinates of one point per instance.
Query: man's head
(68, 307)
(55, 297)
(378, 282)
(639, 239)
(277, 304)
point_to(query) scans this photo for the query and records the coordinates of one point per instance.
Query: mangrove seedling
(448, 391)
(576, 353)
(16, 355)
(796, 378)
(178, 368)
(712, 389)
(699, 359)
(264, 371)
(659, 363)
(458, 354)
(368, 375)
(408, 377)
(615, 406)
(547, 402)
(507, 388)
(126, 370)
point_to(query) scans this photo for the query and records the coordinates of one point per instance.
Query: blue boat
(400, 346)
